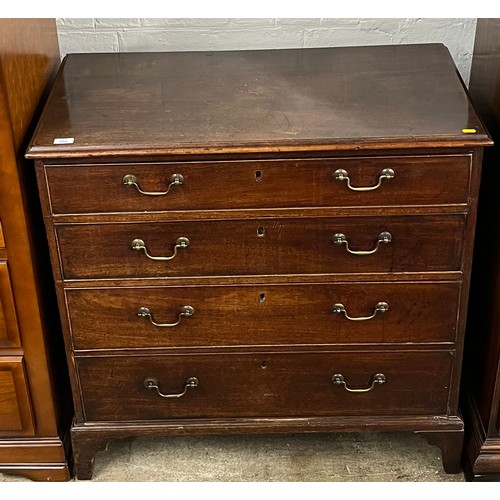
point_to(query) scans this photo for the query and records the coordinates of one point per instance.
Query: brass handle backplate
(152, 383)
(378, 378)
(341, 239)
(342, 175)
(381, 307)
(131, 180)
(185, 312)
(181, 242)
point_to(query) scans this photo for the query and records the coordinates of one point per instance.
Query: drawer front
(9, 332)
(15, 409)
(263, 315)
(276, 385)
(417, 180)
(267, 246)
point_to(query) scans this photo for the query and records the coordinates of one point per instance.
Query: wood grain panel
(29, 52)
(9, 331)
(15, 409)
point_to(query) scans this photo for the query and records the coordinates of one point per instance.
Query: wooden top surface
(399, 96)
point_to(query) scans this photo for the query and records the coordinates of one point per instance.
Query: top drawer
(325, 182)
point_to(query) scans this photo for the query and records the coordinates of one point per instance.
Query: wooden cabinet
(35, 403)
(261, 241)
(481, 387)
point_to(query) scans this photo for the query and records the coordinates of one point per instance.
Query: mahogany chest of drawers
(261, 241)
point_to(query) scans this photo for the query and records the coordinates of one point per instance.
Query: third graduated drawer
(263, 315)
(266, 246)
(215, 185)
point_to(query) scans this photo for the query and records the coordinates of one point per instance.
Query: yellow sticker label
(469, 130)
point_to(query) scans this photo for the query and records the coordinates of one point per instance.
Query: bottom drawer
(126, 388)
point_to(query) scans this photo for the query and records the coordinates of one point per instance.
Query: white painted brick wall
(159, 34)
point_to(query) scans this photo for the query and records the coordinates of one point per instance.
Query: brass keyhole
(261, 231)
(258, 175)
(263, 365)
(262, 297)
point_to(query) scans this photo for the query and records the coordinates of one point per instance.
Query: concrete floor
(374, 457)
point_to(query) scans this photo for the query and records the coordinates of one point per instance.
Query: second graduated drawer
(253, 315)
(323, 182)
(262, 247)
